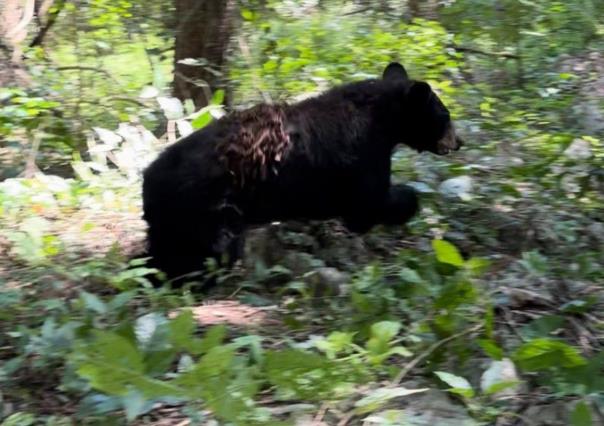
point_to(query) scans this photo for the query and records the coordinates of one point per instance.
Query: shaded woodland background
(485, 310)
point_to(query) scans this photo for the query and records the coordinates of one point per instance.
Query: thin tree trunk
(46, 19)
(15, 15)
(204, 29)
(427, 9)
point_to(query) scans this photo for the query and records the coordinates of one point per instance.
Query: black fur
(325, 157)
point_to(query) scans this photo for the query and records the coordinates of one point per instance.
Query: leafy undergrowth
(486, 309)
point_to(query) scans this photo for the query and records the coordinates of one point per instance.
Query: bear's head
(426, 120)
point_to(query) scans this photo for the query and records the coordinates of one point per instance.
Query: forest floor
(517, 305)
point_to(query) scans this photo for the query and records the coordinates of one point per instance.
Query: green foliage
(306, 375)
(447, 253)
(304, 55)
(380, 345)
(543, 354)
(581, 415)
(133, 363)
(458, 384)
(20, 111)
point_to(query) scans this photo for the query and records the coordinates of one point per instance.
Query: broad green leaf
(247, 14)
(113, 365)
(447, 253)
(335, 343)
(501, 386)
(411, 276)
(212, 338)
(202, 120)
(217, 98)
(232, 399)
(135, 404)
(212, 365)
(307, 375)
(96, 403)
(253, 343)
(385, 330)
(225, 382)
(399, 350)
(19, 419)
(120, 300)
(93, 302)
(477, 265)
(458, 384)
(491, 348)
(581, 415)
(543, 326)
(542, 354)
(181, 330)
(114, 347)
(380, 342)
(454, 294)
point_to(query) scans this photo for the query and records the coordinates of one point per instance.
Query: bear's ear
(395, 71)
(419, 93)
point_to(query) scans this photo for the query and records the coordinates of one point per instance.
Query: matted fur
(259, 143)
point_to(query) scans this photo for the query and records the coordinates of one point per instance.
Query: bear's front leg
(402, 205)
(368, 200)
(180, 247)
(229, 238)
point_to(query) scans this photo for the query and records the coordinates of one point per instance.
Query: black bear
(324, 157)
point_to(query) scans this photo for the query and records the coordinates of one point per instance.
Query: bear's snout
(449, 142)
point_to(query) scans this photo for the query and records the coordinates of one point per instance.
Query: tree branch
(85, 68)
(52, 18)
(505, 55)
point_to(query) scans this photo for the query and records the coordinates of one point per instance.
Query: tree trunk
(15, 15)
(427, 9)
(204, 29)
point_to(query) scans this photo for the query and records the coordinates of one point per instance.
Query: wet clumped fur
(256, 147)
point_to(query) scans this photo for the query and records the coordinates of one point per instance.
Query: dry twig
(421, 357)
